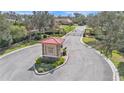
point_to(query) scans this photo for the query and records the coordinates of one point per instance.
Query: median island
(53, 55)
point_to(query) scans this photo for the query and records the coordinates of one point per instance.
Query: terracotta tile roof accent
(53, 40)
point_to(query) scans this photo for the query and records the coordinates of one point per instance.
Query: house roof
(53, 40)
(63, 20)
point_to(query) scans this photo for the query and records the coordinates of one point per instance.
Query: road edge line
(18, 50)
(112, 66)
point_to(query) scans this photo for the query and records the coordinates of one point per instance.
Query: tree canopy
(18, 32)
(79, 19)
(5, 36)
(109, 29)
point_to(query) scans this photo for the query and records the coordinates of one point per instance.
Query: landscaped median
(45, 66)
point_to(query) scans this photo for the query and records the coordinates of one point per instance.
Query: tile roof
(53, 40)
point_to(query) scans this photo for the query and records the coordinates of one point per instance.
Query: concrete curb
(114, 69)
(18, 50)
(52, 70)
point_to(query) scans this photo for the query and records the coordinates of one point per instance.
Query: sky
(60, 13)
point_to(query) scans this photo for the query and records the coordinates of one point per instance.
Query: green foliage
(18, 46)
(38, 35)
(89, 31)
(38, 60)
(67, 28)
(5, 36)
(58, 62)
(43, 65)
(89, 40)
(64, 51)
(18, 32)
(44, 36)
(121, 70)
(120, 67)
(116, 53)
(57, 35)
(63, 30)
(61, 60)
(43, 20)
(18, 23)
(18, 28)
(79, 19)
(109, 30)
(40, 69)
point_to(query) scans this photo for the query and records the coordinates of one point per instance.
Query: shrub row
(42, 65)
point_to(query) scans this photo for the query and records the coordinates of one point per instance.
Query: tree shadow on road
(31, 68)
(52, 71)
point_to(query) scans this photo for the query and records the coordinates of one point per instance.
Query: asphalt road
(83, 63)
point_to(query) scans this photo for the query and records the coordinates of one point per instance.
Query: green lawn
(120, 67)
(88, 40)
(116, 56)
(18, 46)
(68, 28)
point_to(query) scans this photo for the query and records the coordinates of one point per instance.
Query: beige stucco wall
(51, 50)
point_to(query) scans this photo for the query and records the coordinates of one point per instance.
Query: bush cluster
(42, 65)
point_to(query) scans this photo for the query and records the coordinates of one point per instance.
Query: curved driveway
(83, 63)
